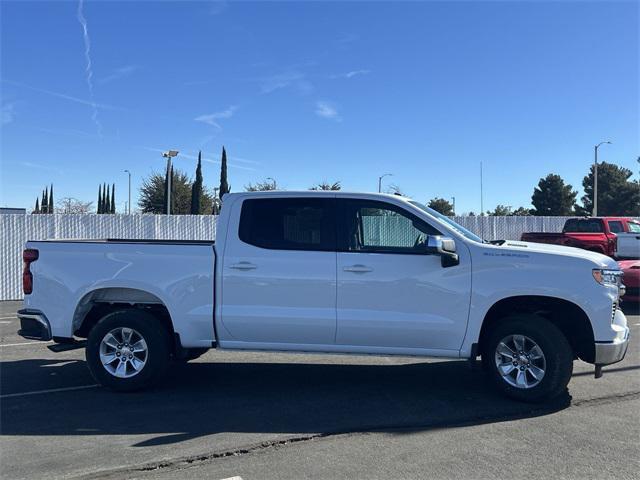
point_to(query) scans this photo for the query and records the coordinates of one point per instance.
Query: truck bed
(179, 274)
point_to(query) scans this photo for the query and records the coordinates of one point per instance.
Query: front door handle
(358, 268)
(243, 266)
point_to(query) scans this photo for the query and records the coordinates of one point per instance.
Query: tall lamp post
(454, 205)
(380, 180)
(129, 204)
(595, 177)
(169, 154)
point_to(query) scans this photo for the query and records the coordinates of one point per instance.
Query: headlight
(607, 277)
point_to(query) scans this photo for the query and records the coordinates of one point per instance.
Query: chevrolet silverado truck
(612, 236)
(328, 272)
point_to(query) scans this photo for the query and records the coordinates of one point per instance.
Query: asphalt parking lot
(262, 416)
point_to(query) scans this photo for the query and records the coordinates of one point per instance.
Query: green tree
(50, 198)
(522, 212)
(263, 186)
(224, 184)
(112, 207)
(37, 209)
(552, 197)
(152, 194)
(500, 211)
(44, 205)
(442, 206)
(324, 185)
(99, 206)
(107, 201)
(617, 194)
(196, 189)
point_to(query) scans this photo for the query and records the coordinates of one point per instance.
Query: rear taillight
(29, 255)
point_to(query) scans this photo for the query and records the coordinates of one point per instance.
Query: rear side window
(289, 223)
(616, 226)
(583, 225)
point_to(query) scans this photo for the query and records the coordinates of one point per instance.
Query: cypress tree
(45, 201)
(196, 188)
(224, 184)
(107, 201)
(113, 198)
(37, 209)
(99, 207)
(51, 210)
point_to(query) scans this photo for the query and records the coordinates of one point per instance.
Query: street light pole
(380, 180)
(454, 205)
(169, 154)
(595, 178)
(129, 204)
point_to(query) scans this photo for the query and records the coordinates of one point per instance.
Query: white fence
(15, 230)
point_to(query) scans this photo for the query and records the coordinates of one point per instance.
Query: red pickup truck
(598, 234)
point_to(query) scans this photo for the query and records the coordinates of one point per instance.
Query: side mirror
(445, 247)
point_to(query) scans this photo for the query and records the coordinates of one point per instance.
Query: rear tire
(528, 358)
(128, 350)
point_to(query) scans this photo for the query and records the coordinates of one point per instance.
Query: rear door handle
(358, 269)
(243, 266)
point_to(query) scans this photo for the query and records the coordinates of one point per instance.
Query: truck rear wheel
(528, 358)
(128, 350)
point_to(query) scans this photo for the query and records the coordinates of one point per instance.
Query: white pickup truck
(328, 272)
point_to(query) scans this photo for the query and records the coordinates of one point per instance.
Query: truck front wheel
(127, 350)
(528, 358)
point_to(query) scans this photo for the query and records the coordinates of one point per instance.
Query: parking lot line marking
(18, 344)
(5, 322)
(8, 318)
(233, 478)
(51, 390)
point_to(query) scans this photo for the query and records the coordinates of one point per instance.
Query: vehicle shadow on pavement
(200, 399)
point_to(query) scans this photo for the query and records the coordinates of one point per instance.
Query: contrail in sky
(88, 70)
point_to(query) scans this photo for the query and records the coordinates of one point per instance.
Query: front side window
(616, 226)
(379, 227)
(288, 223)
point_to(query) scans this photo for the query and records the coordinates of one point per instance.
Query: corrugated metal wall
(15, 230)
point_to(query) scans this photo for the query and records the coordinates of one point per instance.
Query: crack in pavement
(186, 462)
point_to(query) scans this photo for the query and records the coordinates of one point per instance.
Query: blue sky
(311, 91)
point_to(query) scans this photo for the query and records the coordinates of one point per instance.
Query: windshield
(447, 221)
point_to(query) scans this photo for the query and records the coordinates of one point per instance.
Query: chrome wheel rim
(520, 361)
(123, 352)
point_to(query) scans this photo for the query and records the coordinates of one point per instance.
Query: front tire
(128, 350)
(528, 358)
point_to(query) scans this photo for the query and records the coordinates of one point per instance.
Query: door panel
(628, 245)
(283, 291)
(392, 294)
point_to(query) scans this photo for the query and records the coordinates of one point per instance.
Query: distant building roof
(18, 211)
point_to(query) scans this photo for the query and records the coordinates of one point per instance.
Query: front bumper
(611, 352)
(34, 325)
